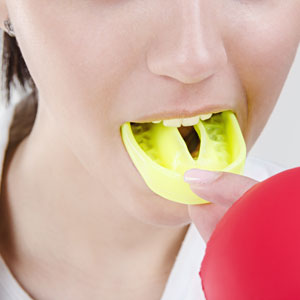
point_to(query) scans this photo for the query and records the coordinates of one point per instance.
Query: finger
(206, 217)
(222, 188)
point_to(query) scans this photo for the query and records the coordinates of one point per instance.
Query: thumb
(222, 189)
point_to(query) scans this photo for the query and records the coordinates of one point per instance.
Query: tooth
(205, 117)
(172, 122)
(155, 122)
(190, 121)
(184, 121)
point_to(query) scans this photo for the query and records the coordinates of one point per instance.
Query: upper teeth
(185, 121)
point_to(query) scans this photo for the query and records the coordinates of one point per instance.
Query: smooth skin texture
(80, 223)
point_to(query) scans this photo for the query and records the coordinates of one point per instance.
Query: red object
(254, 252)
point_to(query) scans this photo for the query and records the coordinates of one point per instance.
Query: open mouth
(188, 134)
(163, 153)
(155, 137)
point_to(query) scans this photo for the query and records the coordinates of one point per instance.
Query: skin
(73, 199)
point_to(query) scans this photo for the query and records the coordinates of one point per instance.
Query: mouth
(188, 134)
(163, 150)
(185, 127)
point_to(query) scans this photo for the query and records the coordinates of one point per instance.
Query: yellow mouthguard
(161, 155)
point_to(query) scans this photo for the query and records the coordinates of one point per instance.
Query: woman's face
(100, 63)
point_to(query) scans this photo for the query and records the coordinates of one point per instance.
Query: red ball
(254, 252)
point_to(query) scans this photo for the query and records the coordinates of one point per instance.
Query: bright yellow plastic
(161, 155)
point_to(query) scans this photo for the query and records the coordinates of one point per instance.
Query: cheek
(262, 45)
(78, 52)
(78, 56)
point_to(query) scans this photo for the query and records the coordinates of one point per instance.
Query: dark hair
(14, 66)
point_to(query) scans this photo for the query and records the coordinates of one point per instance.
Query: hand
(220, 188)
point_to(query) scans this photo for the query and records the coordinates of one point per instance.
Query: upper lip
(181, 113)
(167, 114)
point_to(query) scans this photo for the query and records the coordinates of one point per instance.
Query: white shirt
(184, 282)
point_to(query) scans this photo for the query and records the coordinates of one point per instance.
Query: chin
(152, 209)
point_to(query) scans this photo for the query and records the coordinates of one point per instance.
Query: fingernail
(199, 176)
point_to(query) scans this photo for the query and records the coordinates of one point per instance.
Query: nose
(188, 46)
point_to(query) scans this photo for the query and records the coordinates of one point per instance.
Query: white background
(280, 139)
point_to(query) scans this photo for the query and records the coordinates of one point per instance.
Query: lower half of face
(98, 65)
